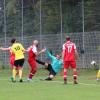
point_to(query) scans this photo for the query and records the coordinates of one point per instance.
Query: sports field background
(49, 21)
(87, 89)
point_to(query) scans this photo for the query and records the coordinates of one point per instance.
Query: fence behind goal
(88, 46)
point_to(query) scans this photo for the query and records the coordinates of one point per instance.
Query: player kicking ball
(54, 67)
(32, 54)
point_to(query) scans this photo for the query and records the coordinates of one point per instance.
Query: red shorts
(71, 64)
(32, 64)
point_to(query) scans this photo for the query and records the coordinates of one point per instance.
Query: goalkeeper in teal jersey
(54, 67)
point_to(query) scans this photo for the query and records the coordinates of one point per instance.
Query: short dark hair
(13, 40)
(67, 38)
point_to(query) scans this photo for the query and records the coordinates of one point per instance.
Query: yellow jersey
(18, 50)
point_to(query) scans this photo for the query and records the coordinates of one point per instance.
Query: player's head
(67, 38)
(13, 40)
(35, 42)
(58, 56)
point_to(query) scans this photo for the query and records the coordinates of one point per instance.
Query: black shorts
(50, 69)
(19, 63)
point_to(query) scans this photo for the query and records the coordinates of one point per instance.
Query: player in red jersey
(70, 55)
(32, 53)
(12, 56)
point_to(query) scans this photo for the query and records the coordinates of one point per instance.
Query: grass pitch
(87, 89)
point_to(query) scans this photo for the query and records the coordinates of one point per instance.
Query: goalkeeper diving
(53, 67)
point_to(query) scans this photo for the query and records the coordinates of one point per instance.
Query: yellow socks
(14, 73)
(98, 74)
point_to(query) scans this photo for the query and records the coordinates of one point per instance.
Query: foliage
(72, 19)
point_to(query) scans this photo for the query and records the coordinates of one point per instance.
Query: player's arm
(38, 52)
(5, 49)
(49, 54)
(63, 52)
(76, 53)
(27, 50)
(42, 51)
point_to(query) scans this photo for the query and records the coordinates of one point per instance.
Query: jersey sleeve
(49, 54)
(22, 48)
(34, 49)
(63, 46)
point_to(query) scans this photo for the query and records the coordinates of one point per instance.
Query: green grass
(87, 89)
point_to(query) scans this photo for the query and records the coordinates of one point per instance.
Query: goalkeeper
(54, 67)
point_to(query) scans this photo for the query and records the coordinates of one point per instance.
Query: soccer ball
(93, 63)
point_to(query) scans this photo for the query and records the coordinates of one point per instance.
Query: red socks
(75, 75)
(32, 73)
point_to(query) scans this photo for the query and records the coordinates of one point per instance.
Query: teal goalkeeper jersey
(56, 64)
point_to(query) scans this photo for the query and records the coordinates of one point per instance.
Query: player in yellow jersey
(18, 50)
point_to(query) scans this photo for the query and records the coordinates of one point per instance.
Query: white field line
(78, 83)
(61, 82)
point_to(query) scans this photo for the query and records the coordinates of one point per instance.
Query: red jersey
(12, 57)
(69, 51)
(31, 52)
(11, 54)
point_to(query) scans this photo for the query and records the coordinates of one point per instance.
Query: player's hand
(43, 50)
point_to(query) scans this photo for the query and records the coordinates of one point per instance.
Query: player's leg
(65, 76)
(20, 69)
(33, 70)
(51, 74)
(40, 62)
(75, 76)
(14, 74)
(98, 75)
(73, 65)
(12, 66)
(20, 73)
(66, 66)
(14, 71)
(46, 65)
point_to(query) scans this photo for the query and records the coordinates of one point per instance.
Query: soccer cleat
(97, 79)
(21, 80)
(29, 80)
(48, 79)
(12, 79)
(75, 82)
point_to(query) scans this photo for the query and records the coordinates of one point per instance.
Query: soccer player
(32, 54)
(70, 55)
(54, 67)
(98, 75)
(18, 50)
(12, 56)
